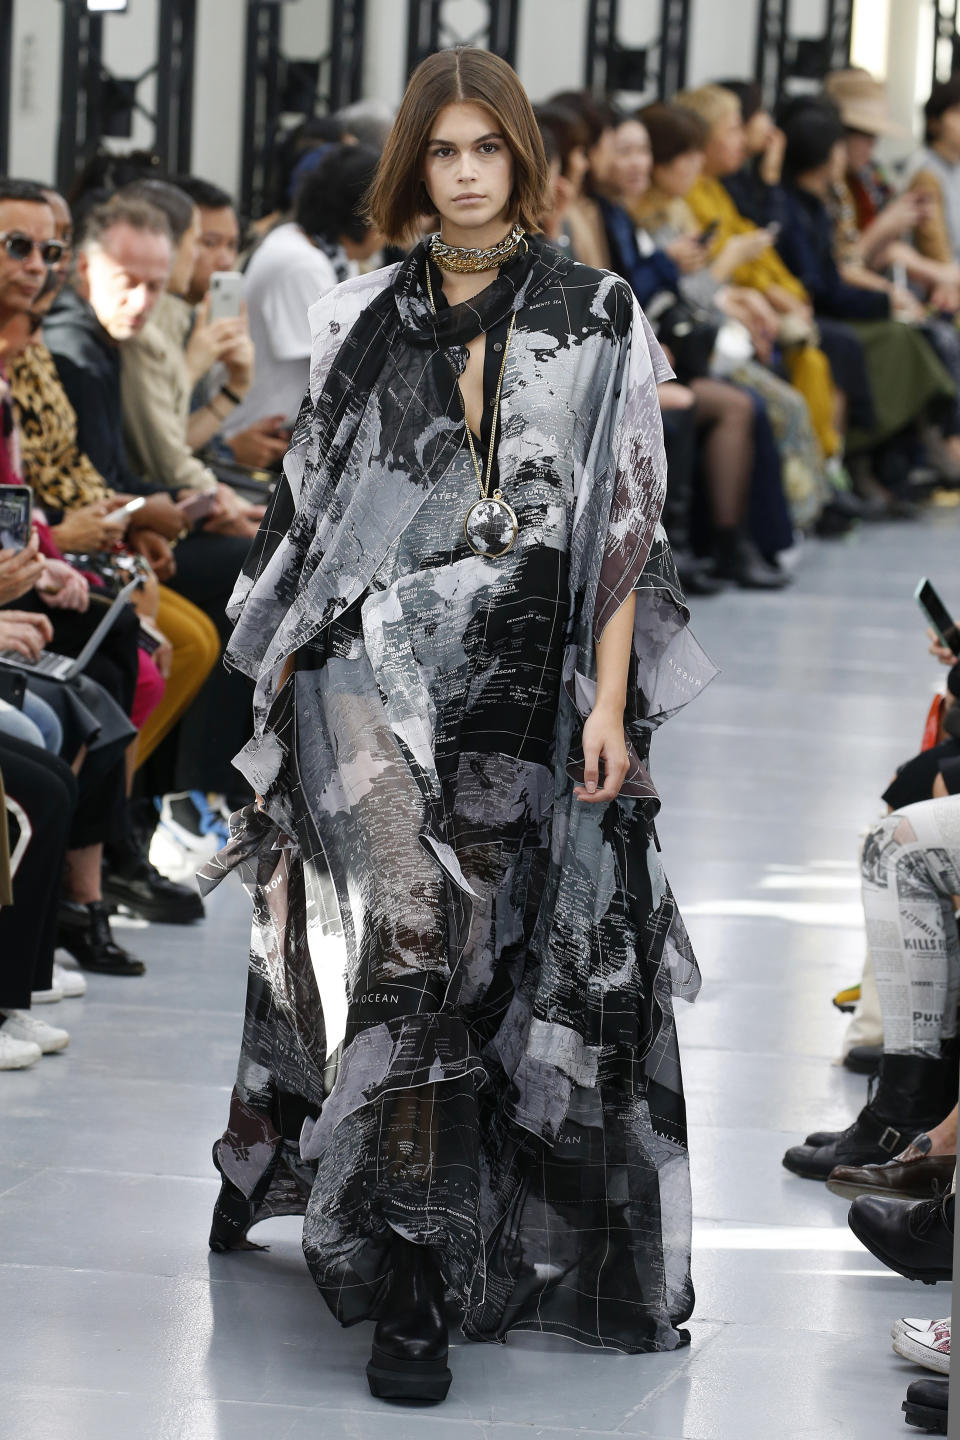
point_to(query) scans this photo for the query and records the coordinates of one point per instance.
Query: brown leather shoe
(905, 1179)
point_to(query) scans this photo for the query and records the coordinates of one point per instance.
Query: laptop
(62, 667)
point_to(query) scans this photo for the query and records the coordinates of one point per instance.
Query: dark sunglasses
(20, 247)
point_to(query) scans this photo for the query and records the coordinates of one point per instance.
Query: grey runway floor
(115, 1321)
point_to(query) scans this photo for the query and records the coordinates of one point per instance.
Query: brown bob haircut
(398, 198)
(673, 130)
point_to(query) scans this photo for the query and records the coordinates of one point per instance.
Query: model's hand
(603, 740)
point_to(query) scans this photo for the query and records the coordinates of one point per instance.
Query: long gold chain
(483, 484)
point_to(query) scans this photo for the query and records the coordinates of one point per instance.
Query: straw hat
(862, 102)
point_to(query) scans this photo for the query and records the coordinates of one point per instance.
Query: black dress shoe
(143, 891)
(926, 1405)
(409, 1358)
(912, 1237)
(84, 931)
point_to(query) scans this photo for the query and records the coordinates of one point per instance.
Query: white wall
(551, 46)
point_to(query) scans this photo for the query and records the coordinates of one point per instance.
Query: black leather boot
(409, 1358)
(233, 1213)
(84, 931)
(926, 1405)
(912, 1237)
(739, 560)
(910, 1097)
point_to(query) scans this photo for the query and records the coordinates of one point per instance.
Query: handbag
(689, 334)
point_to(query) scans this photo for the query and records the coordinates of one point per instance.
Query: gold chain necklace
(461, 260)
(490, 526)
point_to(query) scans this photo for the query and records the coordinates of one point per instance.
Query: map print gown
(459, 1020)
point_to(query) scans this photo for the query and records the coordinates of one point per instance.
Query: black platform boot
(233, 1214)
(409, 1359)
(910, 1097)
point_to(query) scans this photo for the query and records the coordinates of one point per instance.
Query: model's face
(22, 280)
(679, 177)
(185, 257)
(859, 149)
(125, 275)
(468, 168)
(630, 171)
(727, 147)
(217, 248)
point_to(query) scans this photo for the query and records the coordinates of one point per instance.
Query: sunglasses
(20, 247)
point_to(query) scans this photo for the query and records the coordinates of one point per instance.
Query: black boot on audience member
(739, 560)
(409, 1357)
(926, 1405)
(912, 1237)
(131, 881)
(84, 931)
(909, 1097)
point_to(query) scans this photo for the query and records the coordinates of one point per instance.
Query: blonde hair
(711, 102)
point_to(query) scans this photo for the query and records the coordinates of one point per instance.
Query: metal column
(6, 67)
(429, 30)
(175, 63)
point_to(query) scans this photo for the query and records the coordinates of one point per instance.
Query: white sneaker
(47, 997)
(926, 1343)
(70, 980)
(21, 1025)
(16, 1054)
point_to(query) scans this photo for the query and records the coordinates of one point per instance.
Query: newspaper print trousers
(910, 866)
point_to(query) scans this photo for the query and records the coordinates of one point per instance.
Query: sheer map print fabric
(460, 1019)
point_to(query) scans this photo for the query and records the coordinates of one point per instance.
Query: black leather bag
(689, 334)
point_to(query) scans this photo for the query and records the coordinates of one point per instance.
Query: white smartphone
(121, 516)
(226, 295)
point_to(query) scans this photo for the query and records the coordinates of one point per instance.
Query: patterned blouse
(60, 475)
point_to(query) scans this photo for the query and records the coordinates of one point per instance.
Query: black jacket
(805, 243)
(88, 363)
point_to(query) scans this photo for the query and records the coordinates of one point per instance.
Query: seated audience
(262, 445)
(677, 137)
(586, 146)
(907, 380)
(124, 257)
(161, 364)
(82, 512)
(291, 269)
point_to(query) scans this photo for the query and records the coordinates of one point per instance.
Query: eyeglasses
(20, 247)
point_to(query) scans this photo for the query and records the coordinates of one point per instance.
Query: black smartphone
(16, 507)
(707, 234)
(939, 616)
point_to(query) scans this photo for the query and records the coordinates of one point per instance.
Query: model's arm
(603, 737)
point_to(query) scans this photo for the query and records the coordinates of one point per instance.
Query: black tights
(726, 416)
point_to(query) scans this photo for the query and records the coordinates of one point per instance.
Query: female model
(463, 623)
